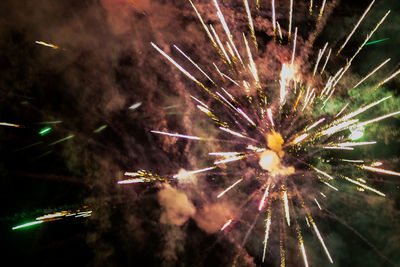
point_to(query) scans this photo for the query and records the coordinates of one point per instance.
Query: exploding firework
(278, 144)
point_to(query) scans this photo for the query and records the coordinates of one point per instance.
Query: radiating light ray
(101, 128)
(355, 27)
(311, 6)
(273, 16)
(362, 185)
(47, 44)
(269, 112)
(300, 138)
(338, 148)
(279, 30)
(371, 73)
(302, 248)
(253, 68)
(178, 135)
(62, 140)
(229, 188)
(353, 160)
(316, 201)
(220, 45)
(186, 173)
(294, 51)
(10, 124)
(225, 154)
(341, 111)
(232, 132)
(227, 31)
(387, 79)
(25, 225)
(290, 18)
(320, 54)
(378, 118)
(339, 127)
(321, 240)
(363, 109)
(261, 205)
(204, 25)
(135, 106)
(226, 224)
(321, 11)
(347, 144)
(267, 228)
(246, 117)
(331, 186)
(285, 205)
(315, 124)
(322, 194)
(191, 61)
(326, 61)
(251, 26)
(377, 41)
(378, 170)
(44, 130)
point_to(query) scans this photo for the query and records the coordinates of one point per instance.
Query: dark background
(105, 66)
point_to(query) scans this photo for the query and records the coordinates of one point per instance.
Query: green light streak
(44, 130)
(135, 106)
(377, 41)
(101, 128)
(63, 139)
(26, 225)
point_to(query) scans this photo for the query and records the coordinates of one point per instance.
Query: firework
(277, 124)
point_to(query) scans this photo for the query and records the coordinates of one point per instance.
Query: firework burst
(278, 145)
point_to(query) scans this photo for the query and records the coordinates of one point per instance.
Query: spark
(323, 173)
(321, 240)
(286, 205)
(377, 41)
(101, 128)
(269, 112)
(45, 130)
(316, 201)
(321, 11)
(229, 188)
(371, 73)
(10, 124)
(273, 16)
(300, 138)
(331, 186)
(315, 124)
(26, 225)
(228, 160)
(62, 139)
(290, 17)
(251, 27)
(388, 79)
(226, 224)
(260, 207)
(373, 169)
(135, 106)
(326, 61)
(267, 227)
(186, 173)
(341, 111)
(232, 132)
(362, 185)
(178, 135)
(355, 27)
(379, 118)
(47, 44)
(356, 143)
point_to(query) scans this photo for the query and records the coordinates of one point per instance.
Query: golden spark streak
(267, 227)
(178, 135)
(245, 116)
(326, 61)
(226, 224)
(387, 79)
(355, 27)
(302, 248)
(286, 206)
(311, 4)
(229, 188)
(251, 26)
(315, 124)
(340, 127)
(253, 68)
(186, 173)
(300, 138)
(316, 201)
(380, 170)
(363, 185)
(321, 11)
(372, 72)
(338, 148)
(353, 160)
(279, 30)
(290, 18)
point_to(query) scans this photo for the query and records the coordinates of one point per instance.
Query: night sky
(105, 64)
